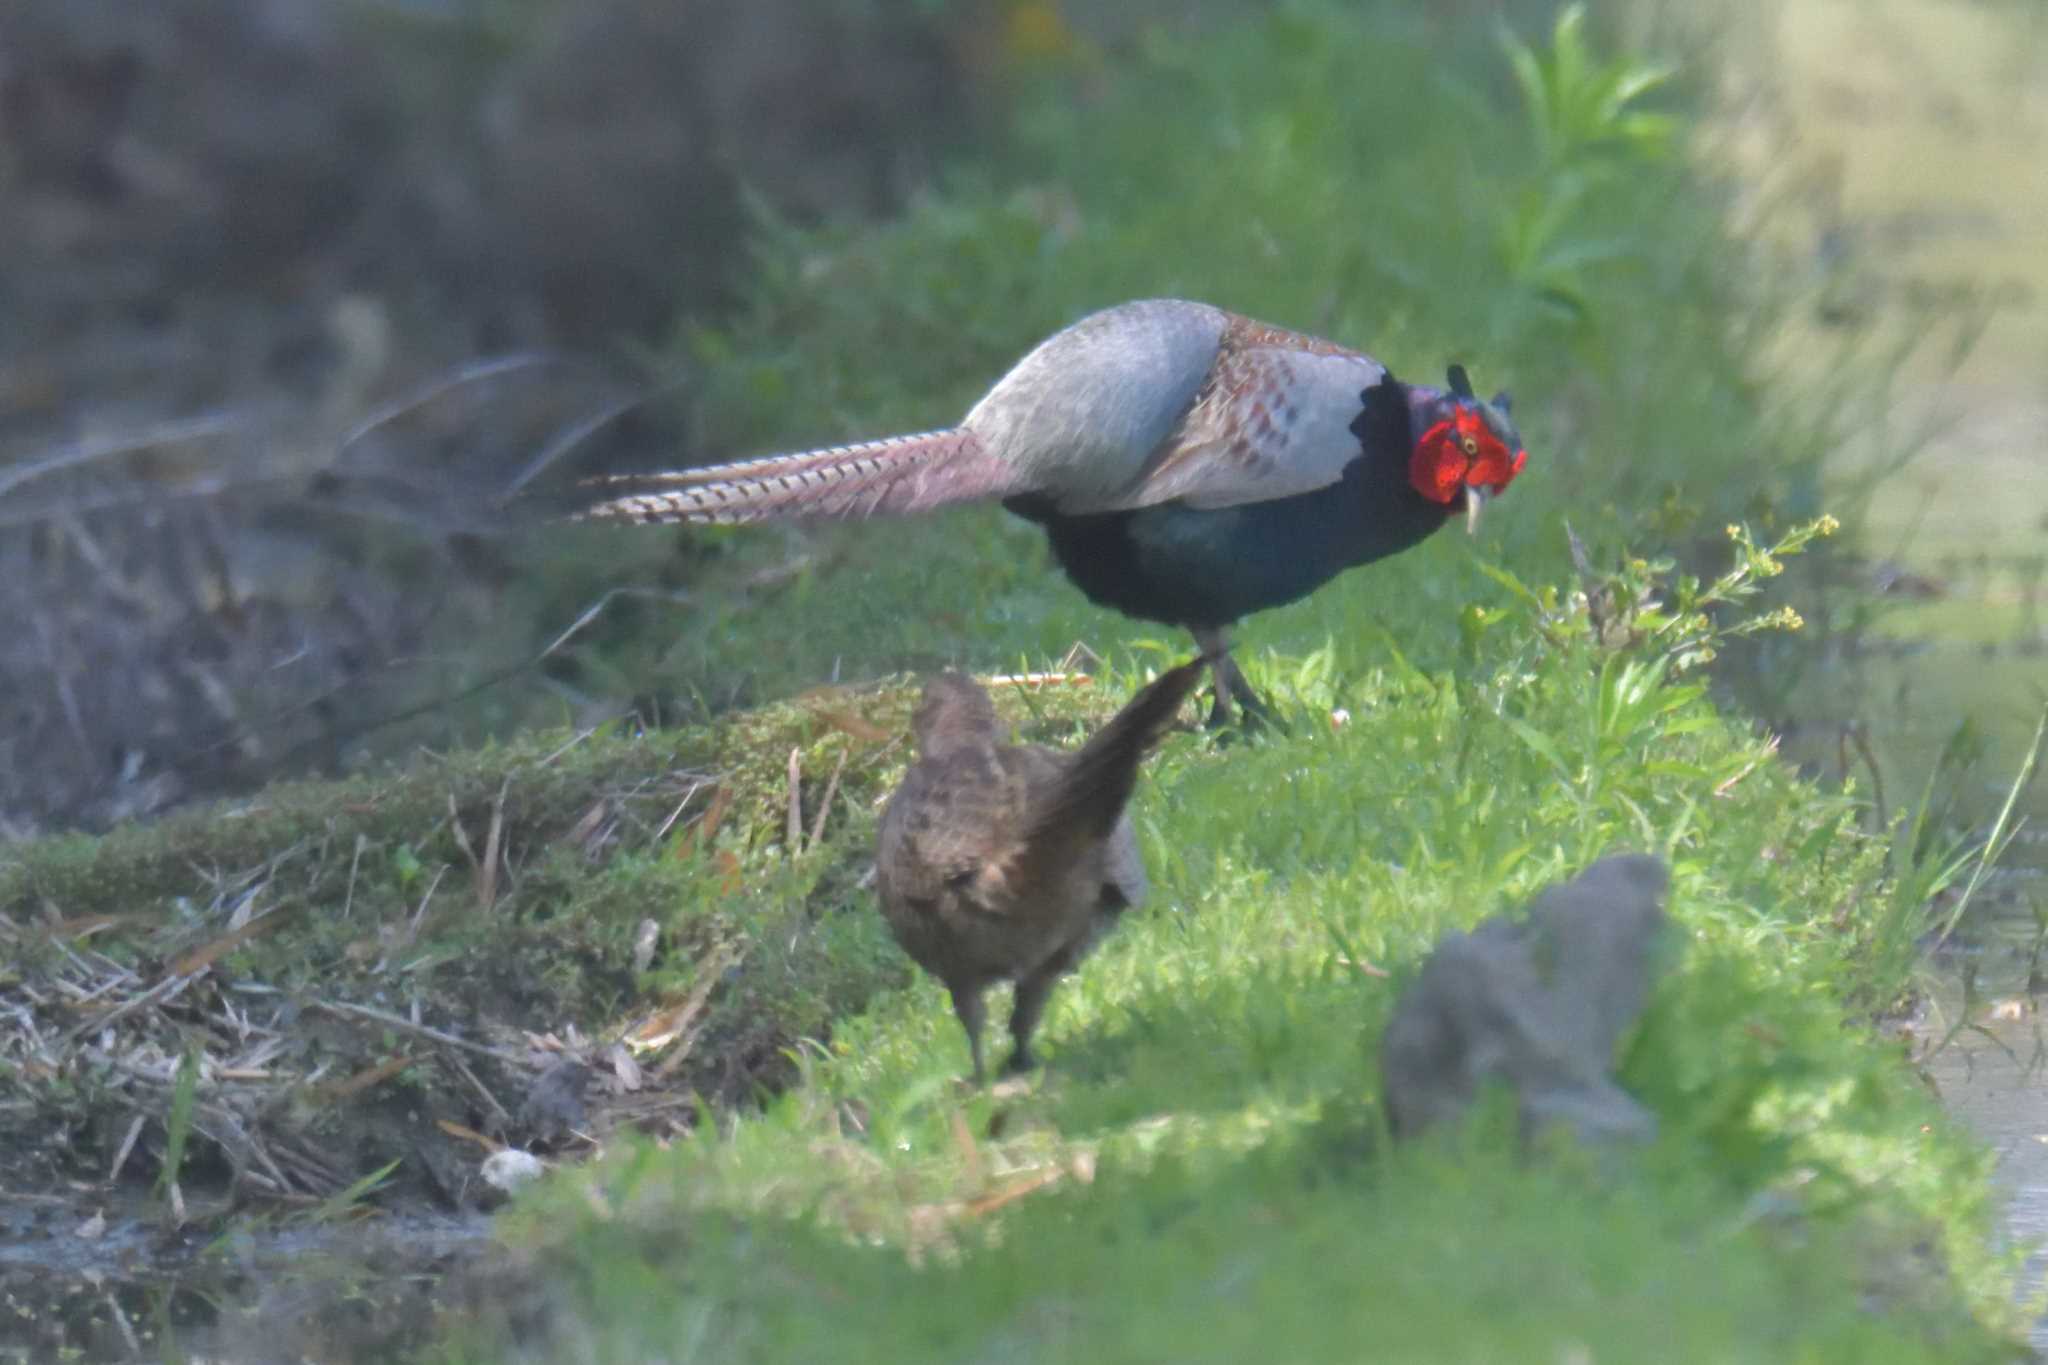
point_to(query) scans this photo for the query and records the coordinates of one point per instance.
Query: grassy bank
(1201, 1171)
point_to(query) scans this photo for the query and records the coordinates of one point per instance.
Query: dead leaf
(368, 1078)
(1036, 680)
(1011, 1193)
(199, 959)
(462, 1134)
(84, 926)
(970, 1152)
(861, 728)
(705, 830)
(581, 832)
(624, 1067)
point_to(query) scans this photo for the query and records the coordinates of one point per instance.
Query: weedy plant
(1586, 127)
(1583, 110)
(1647, 608)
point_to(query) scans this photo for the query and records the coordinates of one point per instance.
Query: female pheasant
(1006, 862)
(1189, 466)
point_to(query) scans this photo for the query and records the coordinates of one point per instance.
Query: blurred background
(310, 304)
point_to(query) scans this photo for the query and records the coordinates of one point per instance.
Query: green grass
(1208, 1121)
(1288, 1255)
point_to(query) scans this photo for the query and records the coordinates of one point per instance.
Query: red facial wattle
(1459, 452)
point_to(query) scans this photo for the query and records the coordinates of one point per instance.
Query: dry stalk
(403, 1024)
(461, 1068)
(825, 805)
(793, 839)
(494, 844)
(696, 786)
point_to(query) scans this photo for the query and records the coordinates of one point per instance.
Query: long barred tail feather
(771, 465)
(898, 474)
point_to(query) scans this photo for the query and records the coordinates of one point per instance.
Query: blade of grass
(2002, 830)
(178, 1122)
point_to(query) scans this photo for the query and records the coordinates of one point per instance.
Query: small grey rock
(1538, 1003)
(508, 1169)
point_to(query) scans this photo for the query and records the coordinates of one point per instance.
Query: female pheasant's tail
(892, 476)
(1090, 796)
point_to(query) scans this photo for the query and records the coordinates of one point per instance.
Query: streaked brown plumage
(1000, 862)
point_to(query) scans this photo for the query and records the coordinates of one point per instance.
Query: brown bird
(1000, 862)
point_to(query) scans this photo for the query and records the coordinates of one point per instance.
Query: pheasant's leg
(1214, 642)
(1231, 684)
(1032, 993)
(1255, 712)
(973, 1012)
(1033, 990)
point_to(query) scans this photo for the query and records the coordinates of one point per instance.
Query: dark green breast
(1209, 567)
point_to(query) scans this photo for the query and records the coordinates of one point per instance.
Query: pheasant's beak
(1475, 501)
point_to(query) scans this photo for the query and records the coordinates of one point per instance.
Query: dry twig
(400, 1022)
(494, 843)
(825, 806)
(794, 837)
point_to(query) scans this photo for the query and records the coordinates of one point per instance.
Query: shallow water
(1993, 1075)
(1901, 145)
(122, 1286)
